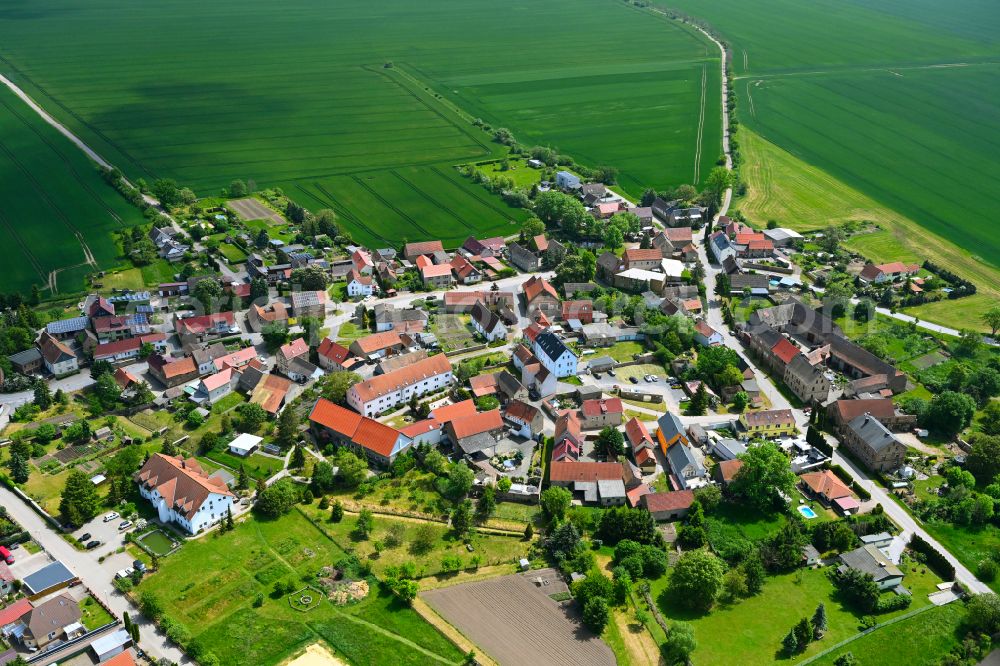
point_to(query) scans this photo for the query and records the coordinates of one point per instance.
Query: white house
(214, 387)
(721, 247)
(245, 444)
(488, 323)
(706, 335)
(183, 494)
(359, 285)
(382, 392)
(554, 355)
(58, 358)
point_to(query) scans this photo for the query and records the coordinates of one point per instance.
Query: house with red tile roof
(475, 433)
(668, 506)
(380, 443)
(540, 295)
(413, 250)
(601, 413)
(378, 345)
(581, 310)
(213, 388)
(705, 335)
(526, 418)
(825, 486)
(183, 494)
(288, 352)
(437, 276)
(219, 323)
(881, 273)
(726, 471)
(334, 356)
(270, 393)
(171, 371)
(465, 272)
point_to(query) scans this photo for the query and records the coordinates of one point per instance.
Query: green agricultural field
(299, 95)
(856, 96)
(57, 214)
(216, 607)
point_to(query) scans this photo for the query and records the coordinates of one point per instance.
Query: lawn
(349, 332)
(622, 351)
(159, 271)
(917, 641)
(750, 631)
(969, 545)
(257, 466)
(54, 206)
(380, 145)
(234, 254)
(217, 606)
(94, 615)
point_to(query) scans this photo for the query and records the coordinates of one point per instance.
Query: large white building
(183, 494)
(382, 392)
(554, 355)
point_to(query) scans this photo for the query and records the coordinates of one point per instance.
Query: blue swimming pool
(807, 512)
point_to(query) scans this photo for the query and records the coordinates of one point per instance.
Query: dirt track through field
(515, 622)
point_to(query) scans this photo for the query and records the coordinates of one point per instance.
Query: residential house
(213, 388)
(668, 506)
(591, 482)
(601, 413)
(465, 272)
(726, 471)
(721, 247)
(521, 356)
(768, 423)
(705, 335)
(378, 345)
(244, 444)
(824, 486)
(128, 350)
(235, 360)
(640, 258)
(201, 326)
(526, 418)
(487, 247)
(362, 262)
(873, 443)
(872, 561)
(842, 412)
(381, 393)
(380, 443)
(270, 393)
(171, 371)
(539, 379)
(58, 619)
(437, 276)
(260, 316)
(334, 356)
(642, 444)
(360, 285)
(288, 352)
(686, 469)
(427, 248)
(728, 449)
(567, 181)
(509, 387)
(608, 265)
(309, 304)
(541, 296)
(524, 258)
(58, 358)
(479, 432)
(568, 428)
(554, 355)
(671, 431)
(183, 494)
(883, 273)
(487, 323)
(810, 383)
(579, 310)
(390, 318)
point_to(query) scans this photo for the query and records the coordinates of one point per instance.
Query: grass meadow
(216, 605)
(298, 95)
(53, 202)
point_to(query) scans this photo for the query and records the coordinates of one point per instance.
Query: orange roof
(454, 411)
(182, 483)
(121, 659)
(124, 378)
(422, 247)
(333, 351)
(420, 427)
(644, 455)
(378, 341)
(640, 254)
(406, 376)
(270, 393)
(15, 611)
(294, 349)
(729, 468)
(522, 411)
(176, 367)
(423, 261)
(273, 312)
(702, 327)
(474, 424)
(657, 502)
(483, 385)
(785, 350)
(584, 471)
(747, 237)
(636, 493)
(435, 270)
(826, 483)
(236, 359)
(361, 430)
(637, 433)
(535, 286)
(678, 234)
(221, 378)
(541, 242)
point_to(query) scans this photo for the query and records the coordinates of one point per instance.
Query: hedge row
(935, 560)
(844, 476)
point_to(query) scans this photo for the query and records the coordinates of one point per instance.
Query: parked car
(124, 573)
(5, 554)
(84, 538)
(611, 373)
(139, 566)
(124, 525)
(634, 379)
(597, 375)
(111, 516)
(91, 545)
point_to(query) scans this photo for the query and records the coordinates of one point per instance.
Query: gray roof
(680, 458)
(742, 281)
(550, 344)
(600, 362)
(26, 356)
(64, 326)
(610, 488)
(477, 442)
(871, 431)
(730, 448)
(47, 577)
(110, 642)
(670, 425)
(871, 560)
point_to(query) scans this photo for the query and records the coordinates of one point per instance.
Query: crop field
(56, 212)
(299, 95)
(515, 622)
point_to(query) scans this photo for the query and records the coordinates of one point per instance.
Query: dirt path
(451, 633)
(641, 647)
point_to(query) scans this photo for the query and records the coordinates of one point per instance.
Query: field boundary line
(472, 192)
(32, 259)
(427, 197)
(385, 202)
(334, 203)
(701, 126)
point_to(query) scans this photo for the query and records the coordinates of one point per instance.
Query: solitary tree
(992, 319)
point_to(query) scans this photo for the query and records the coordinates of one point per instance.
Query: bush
(935, 560)
(887, 604)
(987, 570)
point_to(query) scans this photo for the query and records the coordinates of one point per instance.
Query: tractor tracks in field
(701, 126)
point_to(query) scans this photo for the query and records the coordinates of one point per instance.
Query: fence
(79, 644)
(837, 646)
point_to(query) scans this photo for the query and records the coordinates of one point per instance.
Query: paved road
(97, 577)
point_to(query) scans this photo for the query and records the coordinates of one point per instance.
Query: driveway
(96, 576)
